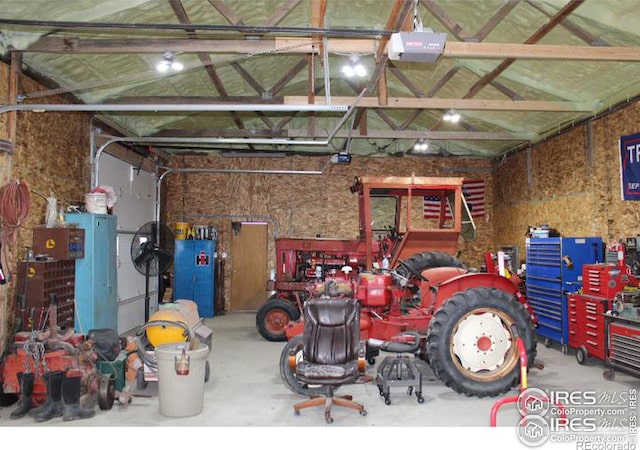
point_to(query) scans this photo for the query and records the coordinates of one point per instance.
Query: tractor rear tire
(427, 260)
(471, 345)
(273, 316)
(288, 375)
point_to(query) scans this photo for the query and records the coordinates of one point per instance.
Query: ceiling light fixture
(421, 146)
(451, 116)
(354, 67)
(168, 64)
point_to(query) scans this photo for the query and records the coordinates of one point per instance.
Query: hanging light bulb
(354, 67)
(168, 63)
(348, 71)
(451, 116)
(162, 66)
(421, 146)
(360, 70)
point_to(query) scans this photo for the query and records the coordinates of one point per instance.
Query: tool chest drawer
(554, 270)
(624, 345)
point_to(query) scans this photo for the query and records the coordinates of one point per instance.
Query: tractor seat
(400, 370)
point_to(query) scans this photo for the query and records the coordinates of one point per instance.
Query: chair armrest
(362, 356)
(292, 359)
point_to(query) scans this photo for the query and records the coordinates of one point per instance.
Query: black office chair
(332, 352)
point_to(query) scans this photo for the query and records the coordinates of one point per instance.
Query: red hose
(15, 202)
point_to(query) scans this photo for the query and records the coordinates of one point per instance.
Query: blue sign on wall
(630, 166)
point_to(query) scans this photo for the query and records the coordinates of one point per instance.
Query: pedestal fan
(152, 250)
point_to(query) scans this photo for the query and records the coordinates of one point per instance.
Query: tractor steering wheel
(411, 269)
(392, 233)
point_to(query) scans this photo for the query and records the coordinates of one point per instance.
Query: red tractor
(404, 275)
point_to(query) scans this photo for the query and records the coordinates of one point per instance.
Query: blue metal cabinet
(554, 268)
(194, 273)
(96, 286)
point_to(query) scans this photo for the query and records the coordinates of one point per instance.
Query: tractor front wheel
(471, 341)
(273, 316)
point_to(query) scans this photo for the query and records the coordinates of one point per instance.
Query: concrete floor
(245, 390)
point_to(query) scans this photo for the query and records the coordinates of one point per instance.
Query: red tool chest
(624, 345)
(604, 280)
(587, 331)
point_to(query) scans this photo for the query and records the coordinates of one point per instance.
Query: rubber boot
(25, 404)
(52, 407)
(71, 400)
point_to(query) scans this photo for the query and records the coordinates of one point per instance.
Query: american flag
(473, 191)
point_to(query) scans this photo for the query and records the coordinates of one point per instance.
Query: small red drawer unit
(587, 325)
(605, 280)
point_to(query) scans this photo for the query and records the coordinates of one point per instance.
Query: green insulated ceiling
(266, 75)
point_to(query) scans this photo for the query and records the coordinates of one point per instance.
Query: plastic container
(182, 230)
(96, 202)
(181, 378)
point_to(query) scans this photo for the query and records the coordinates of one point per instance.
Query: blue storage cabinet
(96, 288)
(194, 273)
(554, 269)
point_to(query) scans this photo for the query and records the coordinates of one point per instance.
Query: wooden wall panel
(571, 192)
(301, 205)
(51, 155)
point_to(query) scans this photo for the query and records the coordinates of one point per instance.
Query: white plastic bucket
(181, 395)
(96, 202)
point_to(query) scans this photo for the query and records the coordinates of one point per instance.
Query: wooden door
(249, 266)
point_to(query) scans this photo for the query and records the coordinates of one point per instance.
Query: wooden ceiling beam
(281, 13)
(371, 102)
(415, 90)
(448, 103)
(183, 17)
(409, 120)
(415, 134)
(226, 12)
(451, 25)
(282, 82)
(572, 27)
(495, 20)
(388, 120)
(506, 91)
(246, 76)
(442, 81)
(397, 19)
(256, 86)
(318, 16)
(535, 37)
(371, 134)
(460, 50)
(361, 113)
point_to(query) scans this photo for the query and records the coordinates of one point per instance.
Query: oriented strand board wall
(4, 95)
(569, 183)
(51, 155)
(300, 205)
